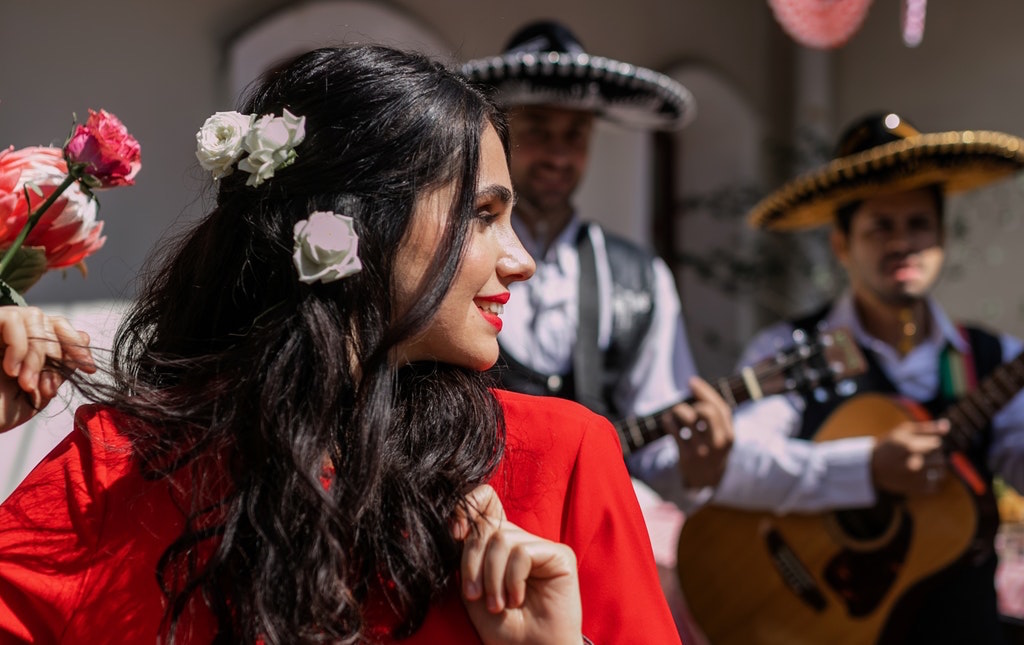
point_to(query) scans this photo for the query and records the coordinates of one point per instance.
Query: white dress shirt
(540, 322)
(768, 469)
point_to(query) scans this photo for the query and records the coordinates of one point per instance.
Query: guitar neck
(636, 432)
(973, 412)
(808, 364)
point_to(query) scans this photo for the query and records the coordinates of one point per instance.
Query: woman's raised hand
(28, 337)
(517, 587)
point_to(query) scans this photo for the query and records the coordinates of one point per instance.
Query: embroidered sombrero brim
(620, 92)
(958, 160)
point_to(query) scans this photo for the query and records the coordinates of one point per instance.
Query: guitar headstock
(813, 363)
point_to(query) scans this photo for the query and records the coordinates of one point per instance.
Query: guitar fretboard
(637, 432)
(972, 413)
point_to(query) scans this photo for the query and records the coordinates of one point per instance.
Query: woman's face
(465, 329)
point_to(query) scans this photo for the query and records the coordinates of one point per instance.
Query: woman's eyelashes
(487, 216)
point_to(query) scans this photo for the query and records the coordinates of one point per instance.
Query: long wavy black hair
(316, 474)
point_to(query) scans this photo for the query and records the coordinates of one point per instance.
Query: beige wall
(161, 66)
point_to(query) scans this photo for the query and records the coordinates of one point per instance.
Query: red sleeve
(80, 540)
(622, 597)
(563, 478)
(48, 526)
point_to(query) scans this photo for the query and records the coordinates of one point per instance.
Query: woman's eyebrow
(497, 191)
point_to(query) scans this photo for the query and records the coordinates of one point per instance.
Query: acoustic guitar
(813, 362)
(836, 577)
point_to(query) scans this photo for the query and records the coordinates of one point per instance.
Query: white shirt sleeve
(768, 469)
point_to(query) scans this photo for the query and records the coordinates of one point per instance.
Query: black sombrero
(884, 153)
(544, 64)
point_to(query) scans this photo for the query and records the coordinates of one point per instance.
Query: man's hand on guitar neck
(909, 459)
(704, 434)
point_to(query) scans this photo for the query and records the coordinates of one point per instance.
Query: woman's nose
(515, 264)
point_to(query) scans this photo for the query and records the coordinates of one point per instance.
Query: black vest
(632, 302)
(958, 605)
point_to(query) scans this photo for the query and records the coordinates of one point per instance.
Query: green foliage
(9, 296)
(25, 268)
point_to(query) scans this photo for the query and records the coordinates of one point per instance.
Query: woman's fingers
(75, 345)
(517, 587)
(535, 559)
(15, 339)
(31, 339)
(499, 558)
(518, 570)
(496, 558)
(42, 342)
(476, 524)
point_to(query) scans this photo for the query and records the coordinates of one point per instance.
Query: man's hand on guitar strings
(704, 434)
(909, 460)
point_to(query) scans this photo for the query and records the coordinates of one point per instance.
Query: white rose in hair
(326, 247)
(270, 144)
(219, 141)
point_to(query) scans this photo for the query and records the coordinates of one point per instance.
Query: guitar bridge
(793, 572)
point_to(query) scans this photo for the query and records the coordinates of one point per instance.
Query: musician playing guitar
(884, 192)
(600, 322)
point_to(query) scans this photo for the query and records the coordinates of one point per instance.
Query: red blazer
(80, 538)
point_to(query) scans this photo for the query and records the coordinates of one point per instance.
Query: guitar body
(832, 578)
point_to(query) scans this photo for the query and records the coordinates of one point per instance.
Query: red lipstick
(492, 318)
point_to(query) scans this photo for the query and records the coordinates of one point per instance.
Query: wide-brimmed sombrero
(544, 64)
(883, 153)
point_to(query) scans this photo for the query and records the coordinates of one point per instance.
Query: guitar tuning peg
(799, 336)
(820, 394)
(846, 387)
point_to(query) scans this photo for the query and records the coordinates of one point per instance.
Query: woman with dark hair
(300, 444)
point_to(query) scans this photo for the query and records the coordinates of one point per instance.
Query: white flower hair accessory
(326, 247)
(219, 142)
(258, 145)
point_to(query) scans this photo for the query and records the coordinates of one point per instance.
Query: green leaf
(25, 269)
(74, 126)
(9, 296)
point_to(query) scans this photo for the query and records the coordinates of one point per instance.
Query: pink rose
(68, 231)
(109, 153)
(44, 167)
(8, 195)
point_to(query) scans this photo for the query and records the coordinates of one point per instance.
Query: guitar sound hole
(863, 576)
(868, 524)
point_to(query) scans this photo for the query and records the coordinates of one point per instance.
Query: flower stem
(33, 218)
